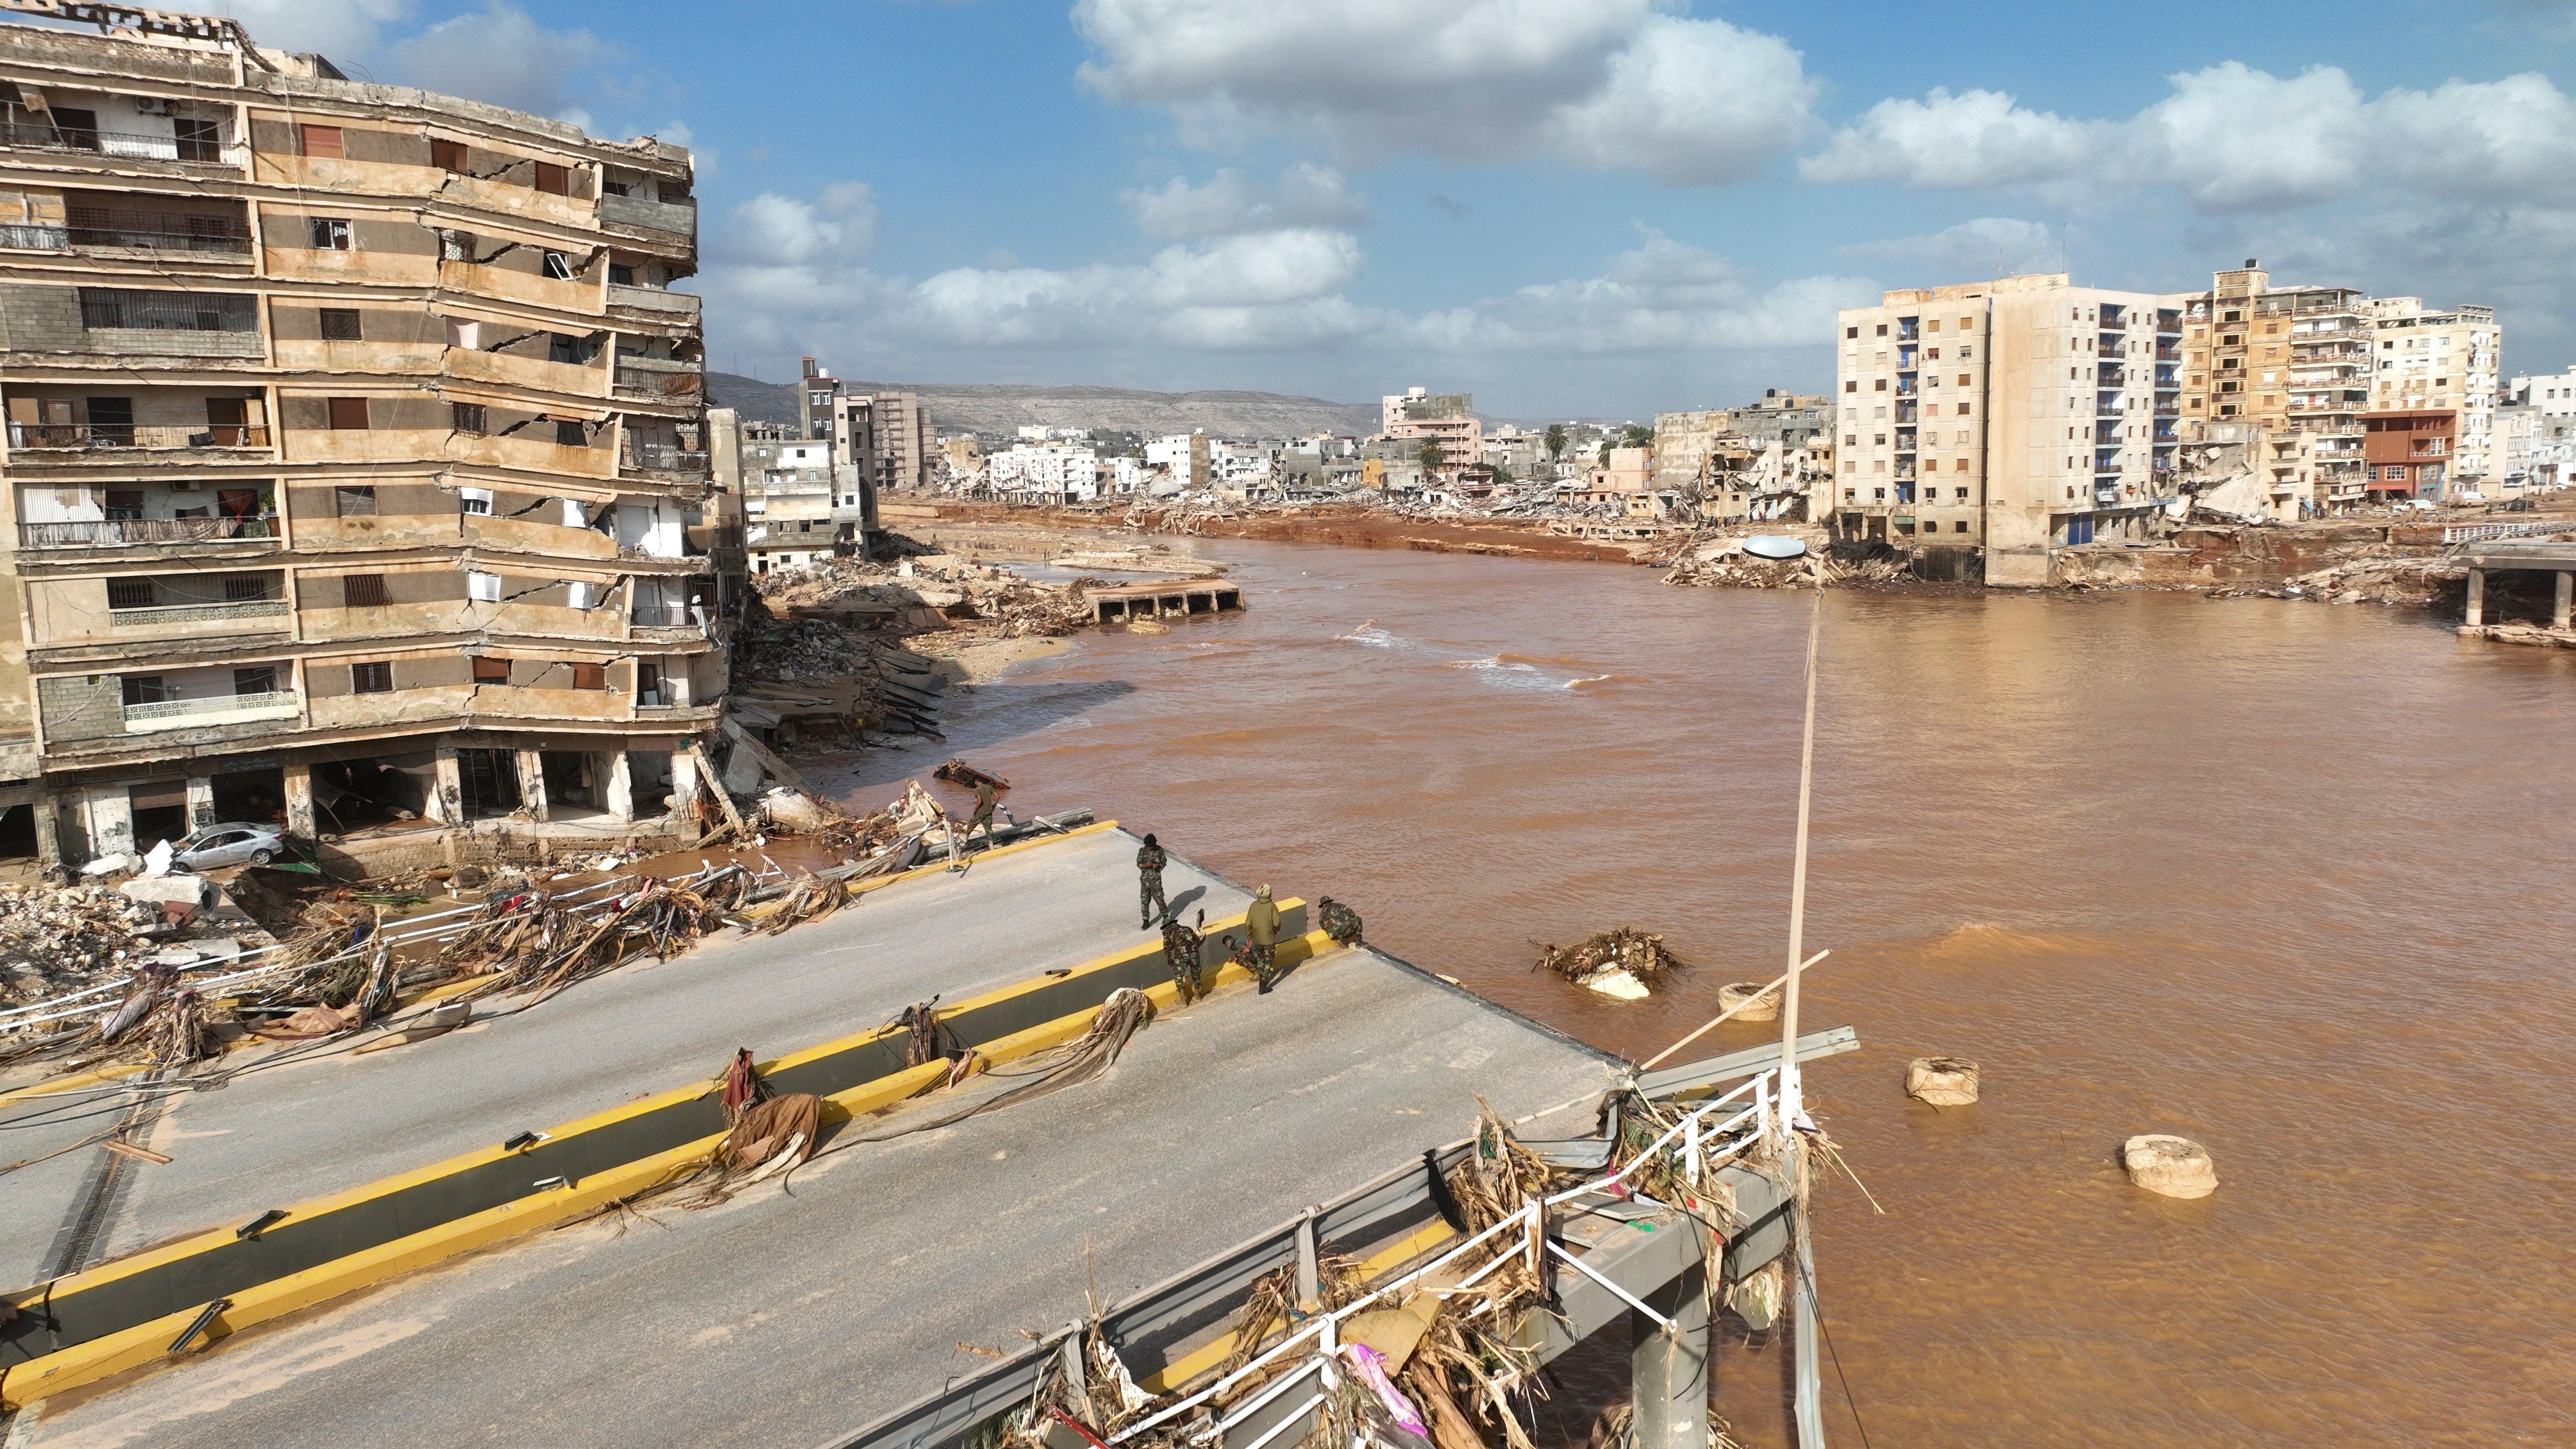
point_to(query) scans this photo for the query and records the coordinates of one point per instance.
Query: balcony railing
(662, 458)
(136, 435)
(152, 231)
(197, 613)
(660, 377)
(109, 532)
(663, 616)
(270, 704)
(2111, 349)
(131, 144)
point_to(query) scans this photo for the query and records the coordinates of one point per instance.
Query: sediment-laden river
(2290, 879)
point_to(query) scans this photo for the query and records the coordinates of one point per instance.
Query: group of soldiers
(1257, 952)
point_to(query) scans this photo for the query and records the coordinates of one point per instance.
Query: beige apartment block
(1983, 425)
(1448, 419)
(353, 438)
(2440, 359)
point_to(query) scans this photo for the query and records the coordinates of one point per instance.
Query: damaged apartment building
(354, 439)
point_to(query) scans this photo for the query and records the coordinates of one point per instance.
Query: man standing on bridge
(983, 813)
(1149, 884)
(1261, 924)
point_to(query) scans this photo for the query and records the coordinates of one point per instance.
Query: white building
(2439, 359)
(1045, 472)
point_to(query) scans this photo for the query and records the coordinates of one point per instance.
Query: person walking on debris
(1261, 924)
(983, 814)
(1181, 953)
(1149, 884)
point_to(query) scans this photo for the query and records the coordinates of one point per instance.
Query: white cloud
(345, 31)
(787, 276)
(1306, 195)
(1988, 246)
(2232, 138)
(500, 56)
(1603, 84)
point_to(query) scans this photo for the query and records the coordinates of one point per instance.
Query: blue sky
(1571, 207)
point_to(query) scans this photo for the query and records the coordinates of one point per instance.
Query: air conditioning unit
(185, 485)
(152, 105)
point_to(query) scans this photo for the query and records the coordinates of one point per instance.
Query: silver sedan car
(234, 844)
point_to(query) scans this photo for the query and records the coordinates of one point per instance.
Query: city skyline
(1567, 209)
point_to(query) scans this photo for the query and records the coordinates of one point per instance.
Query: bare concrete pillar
(201, 801)
(2558, 610)
(532, 783)
(684, 780)
(1668, 1372)
(2477, 597)
(110, 811)
(49, 833)
(447, 797)
(618, 795)
(299, 802)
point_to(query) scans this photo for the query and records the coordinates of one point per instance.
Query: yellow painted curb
(133, 1347)
(52, 1086)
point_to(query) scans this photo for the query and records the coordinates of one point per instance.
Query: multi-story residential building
(1787, 417)
(903, 443)
(1186, 460)
(2410, 454)
(1044, 473)
(353, 436)
(1447, 419)
(1996, 421)
(2544, 445)
(2441, 360)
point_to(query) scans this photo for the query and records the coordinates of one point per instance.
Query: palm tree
(1555, 440)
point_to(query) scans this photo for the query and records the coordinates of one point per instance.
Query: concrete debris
(1942, 1081)
(2171, 1166)
(54, 940)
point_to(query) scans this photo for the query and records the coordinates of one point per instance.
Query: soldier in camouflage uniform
(1261, 924)
(1181, 953)
(1149, 883)
(1339, 921)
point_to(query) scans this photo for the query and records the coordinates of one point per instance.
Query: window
(554, 180)
(1963, 410)
(648, 679)
(558, 266)
(320, 141)
(340, 324)
(130, 594)
(124, 503)
(569, 433)
(376, 678)
(1851, 333)
(1880, 385)
(590, 676)
(1851, 387)
(1967, 323)
(447, 155)
(348, 414)
(256, 679)
(482, 587)
(621, 274)
(616, 188)
(355, 501)
(244, 588)
(491, 671)
(144, 689)
(1882, 329)
(477, 501)
(198, 140)
(466, 418)
(456, 246)
(1960, 527)
(564, 347)
(362, 591)
(329, 233)
(1963, 379)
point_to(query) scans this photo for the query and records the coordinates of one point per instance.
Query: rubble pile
(55, 940)
(2377, 580)
(796, 650)
(1625, 963)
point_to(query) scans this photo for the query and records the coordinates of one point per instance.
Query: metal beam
(1751, 1062)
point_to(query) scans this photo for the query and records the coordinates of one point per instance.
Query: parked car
(233, 844)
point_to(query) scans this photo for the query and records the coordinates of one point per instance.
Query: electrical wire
(1818, 1308)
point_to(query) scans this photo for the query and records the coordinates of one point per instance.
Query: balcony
(1906, 329)
(671, 216)
(1905, 412)
(2167, 410)
(152, 231)
(2109, 410)
(2109, 348)
(2106, 497)
(221, 709)
(2167, 352)
(659, 458)
(116, 532)
(1905, 386)
(206, 145)
(664, 616)
(661, 377)
(74, 437)
(681, 306)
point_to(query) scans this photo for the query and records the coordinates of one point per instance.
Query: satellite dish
(1772, 545)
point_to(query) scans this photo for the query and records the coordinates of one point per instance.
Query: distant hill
(999, 409)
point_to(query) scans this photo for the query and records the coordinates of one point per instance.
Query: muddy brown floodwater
(2289, 879)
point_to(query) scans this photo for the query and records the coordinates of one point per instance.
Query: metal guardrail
(1146, 1327)
(210, 704)
(107, 532)
(136, 435)
(196, 613)
(2478, 532)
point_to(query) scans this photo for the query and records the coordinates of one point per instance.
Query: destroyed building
(354, 436)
